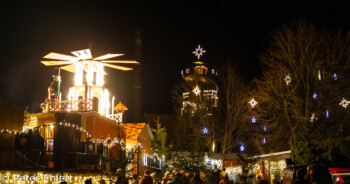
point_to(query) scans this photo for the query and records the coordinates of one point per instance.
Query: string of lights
(106, 142)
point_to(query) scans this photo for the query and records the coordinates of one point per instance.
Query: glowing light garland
(21, 177)
(198, 52)
(104, 141)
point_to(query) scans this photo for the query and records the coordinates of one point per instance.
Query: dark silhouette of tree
(305, 78)
(233, 126)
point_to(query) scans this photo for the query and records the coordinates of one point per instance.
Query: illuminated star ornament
(253, 102)
(288, 79)
(198, 52)
(344, 103)
(205, 130)
(242, 148)
(253, 120)
(196, 90)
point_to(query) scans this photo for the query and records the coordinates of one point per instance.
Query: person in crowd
(135, 179)
(165, 179)
(224, 177)
(88, 181)
(146, 179)
(171, 178)
(197, 178)
(186, 177)
(153, 175)
(300, 173)
(215, 175)
(119, 176)
(177, 179)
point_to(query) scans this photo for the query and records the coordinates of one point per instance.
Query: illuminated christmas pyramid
(88, 92)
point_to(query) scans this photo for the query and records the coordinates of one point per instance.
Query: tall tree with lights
(195, 99)
(300, 91)
(232, 127)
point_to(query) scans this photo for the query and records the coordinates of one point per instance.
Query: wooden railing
(68, 105)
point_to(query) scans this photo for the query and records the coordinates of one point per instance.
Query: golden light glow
(253, 102)
(84, 55)
(89, 69)
(344, 103)
(288, 79)
(196, 90)
(21, 177)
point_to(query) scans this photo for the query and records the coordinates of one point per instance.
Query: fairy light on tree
(312, 117)
(344, 103)
(253, 120)
(313, 96)
(335, 77)
(252, 102)
(288, 79)
(205, 130)
(242, 148)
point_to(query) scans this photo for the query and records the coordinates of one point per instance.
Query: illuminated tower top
(201, 83)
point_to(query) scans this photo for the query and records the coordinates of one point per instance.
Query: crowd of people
(179, 177)
(311, 175)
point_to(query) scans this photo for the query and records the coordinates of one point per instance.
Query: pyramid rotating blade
(53, 55)
(107, 56)
(120, 61)
(117, 67)
(69, 68)
(54, 63)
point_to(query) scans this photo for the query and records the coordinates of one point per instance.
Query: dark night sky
(171, 30)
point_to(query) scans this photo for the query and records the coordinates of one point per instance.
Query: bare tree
(233, 125)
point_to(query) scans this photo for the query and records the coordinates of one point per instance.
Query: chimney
(137, 89)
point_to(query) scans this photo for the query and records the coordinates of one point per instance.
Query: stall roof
(133, 130)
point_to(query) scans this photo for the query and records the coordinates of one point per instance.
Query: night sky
(171, 30)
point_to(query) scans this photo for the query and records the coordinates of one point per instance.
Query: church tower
(201, 86)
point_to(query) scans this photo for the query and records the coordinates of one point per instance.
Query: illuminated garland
(105, 141)
(77, 178)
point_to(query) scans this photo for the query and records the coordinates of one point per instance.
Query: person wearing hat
(146, 179)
